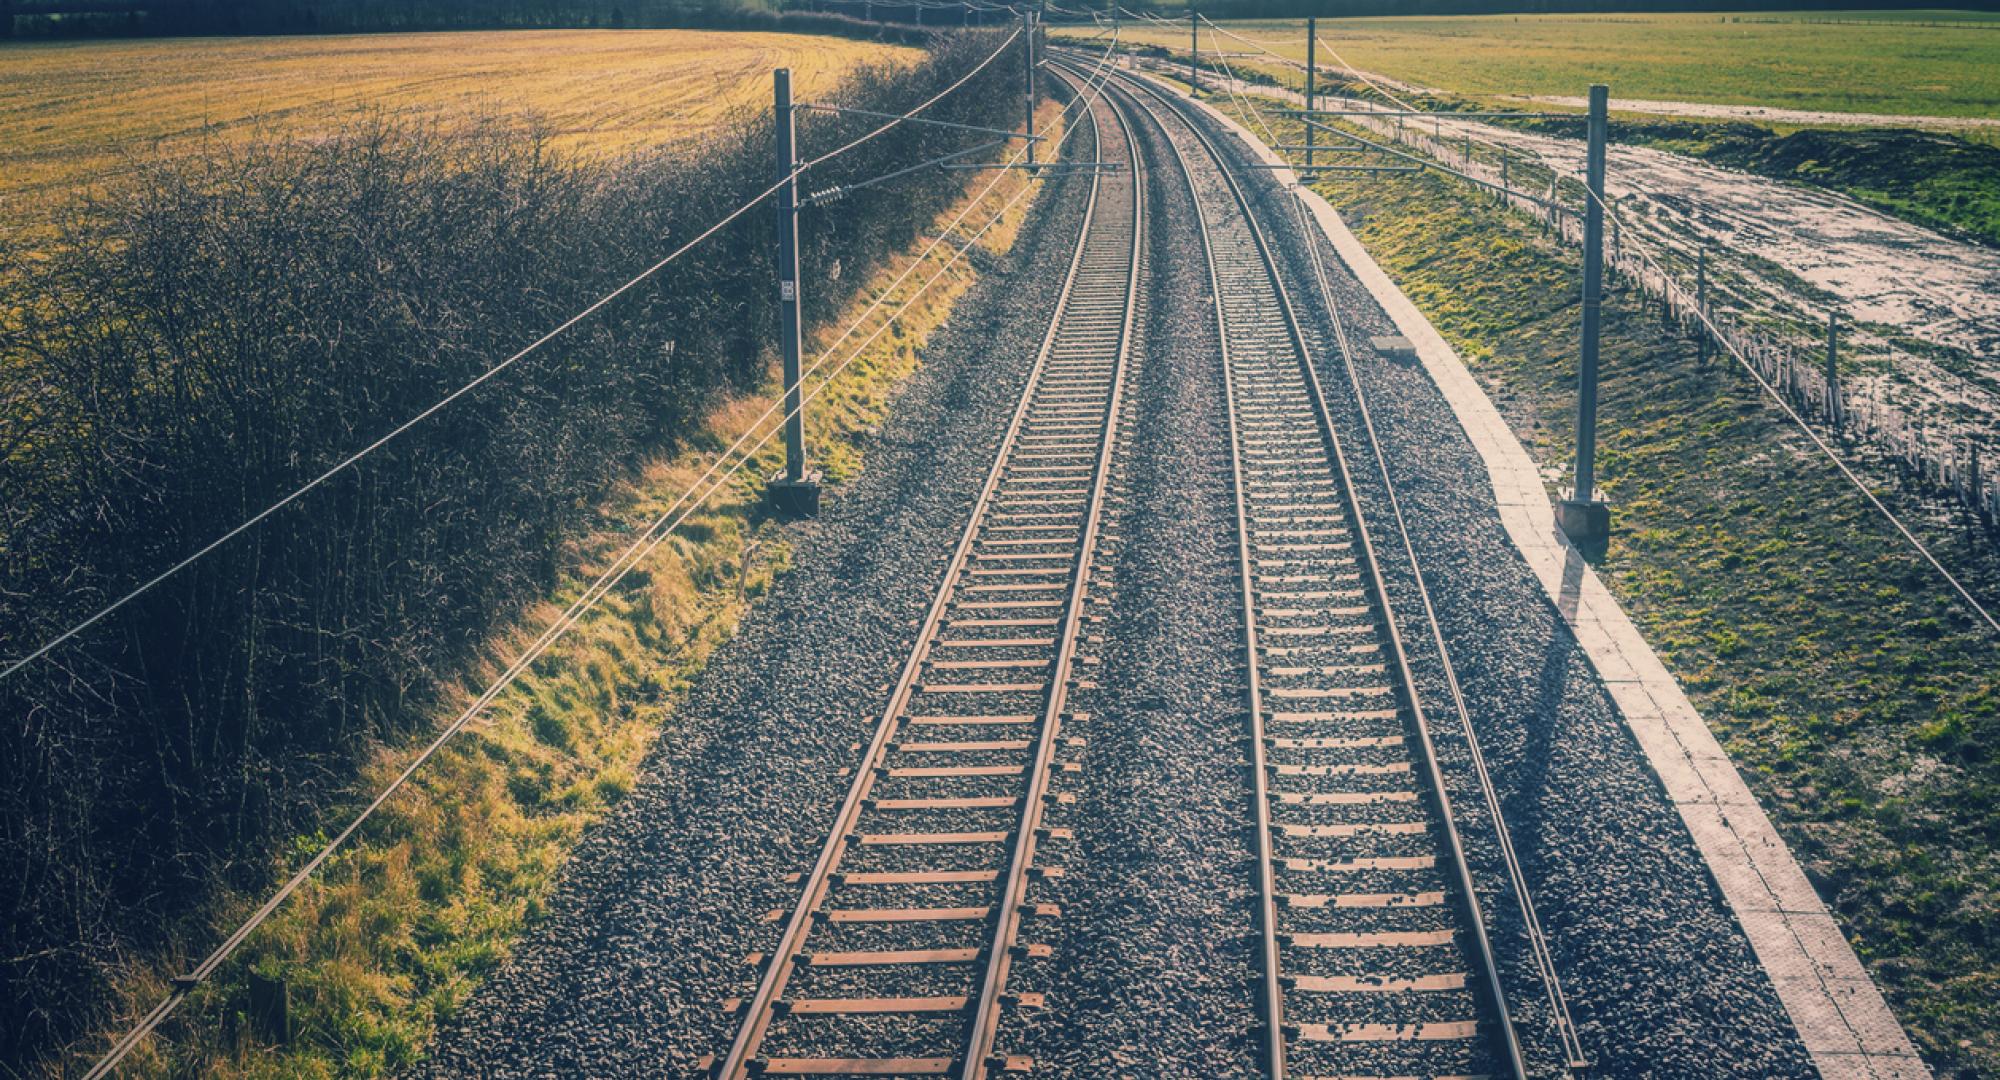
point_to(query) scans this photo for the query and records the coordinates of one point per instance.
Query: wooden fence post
(269, 1010)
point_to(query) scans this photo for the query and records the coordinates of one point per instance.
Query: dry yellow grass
(72, 112)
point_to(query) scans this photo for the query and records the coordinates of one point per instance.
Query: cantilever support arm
(1051, 166)
(916, 120)
(843, 190)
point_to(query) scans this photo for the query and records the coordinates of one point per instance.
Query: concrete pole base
(1587, 522)
(794, 498)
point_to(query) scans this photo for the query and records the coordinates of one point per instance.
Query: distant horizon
(60, 19)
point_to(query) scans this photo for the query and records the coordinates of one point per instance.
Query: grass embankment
(394, 935)
(71, 112)
(1857, 698)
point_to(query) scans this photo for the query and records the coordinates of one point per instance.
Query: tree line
(78, 17)
(1290, 9)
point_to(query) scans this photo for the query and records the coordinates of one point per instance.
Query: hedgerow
(220, 327)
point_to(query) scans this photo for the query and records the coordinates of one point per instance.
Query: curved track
(898, 958)
(1375, 957)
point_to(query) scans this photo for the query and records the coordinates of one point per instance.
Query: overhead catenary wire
(483, 377)
(1145, 16)
(841, 191)
(662, 526)
(1384, 148)
(1243, 100)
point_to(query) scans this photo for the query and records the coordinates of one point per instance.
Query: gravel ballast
(1153, 970)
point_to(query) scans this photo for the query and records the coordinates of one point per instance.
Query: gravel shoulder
(649, 929)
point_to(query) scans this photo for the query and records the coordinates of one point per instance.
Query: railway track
(1375, 958)
(901, 953)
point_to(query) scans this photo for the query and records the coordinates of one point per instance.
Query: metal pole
(1585, 519)
(920, 13)
(1832, 372)
(1312, 36)
(1028, 74)
(1194, 53)
(788, 275)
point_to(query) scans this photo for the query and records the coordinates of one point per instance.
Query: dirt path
(1763, 114)
(1880, 269)
(1795, 253)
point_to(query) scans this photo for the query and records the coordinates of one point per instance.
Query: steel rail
(1544, 960)
(760, 1010)
(1405, 682)
(980, 1040)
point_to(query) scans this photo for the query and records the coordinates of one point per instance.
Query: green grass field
(1875, 62)
(73, 112)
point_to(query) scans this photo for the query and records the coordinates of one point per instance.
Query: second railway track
(1374, 951)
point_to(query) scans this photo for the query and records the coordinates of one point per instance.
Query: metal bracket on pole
(1322, 148)
(842, 191)
(1585, 518)
(1360, 168)
(1385, 111)
(795, 490)
(1047, 168)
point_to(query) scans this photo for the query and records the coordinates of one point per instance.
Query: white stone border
(1840, 1015)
